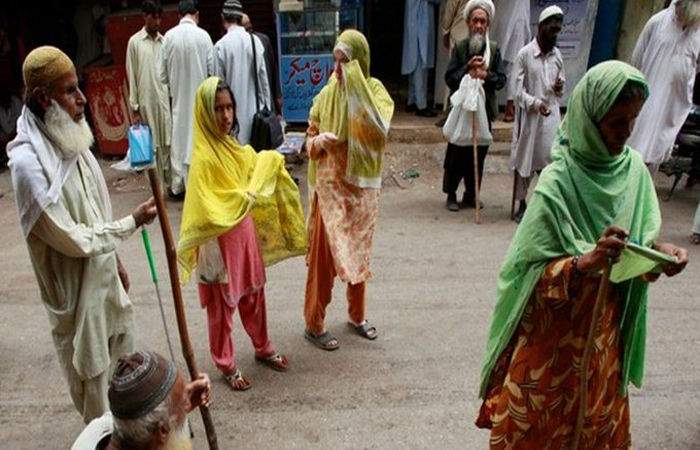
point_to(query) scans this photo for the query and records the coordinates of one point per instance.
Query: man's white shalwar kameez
(185, 61)
(66, 218)
(233, 62)
(97, 432)
(668, 56)
(535, 76)
(512, 32)
(452, 24)
(149, 96)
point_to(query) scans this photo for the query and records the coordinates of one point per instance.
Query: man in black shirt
(481, 58)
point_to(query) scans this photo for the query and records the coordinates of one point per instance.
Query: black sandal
(365, 330)
(322, 341)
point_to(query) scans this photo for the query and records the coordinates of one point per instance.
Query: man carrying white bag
(467, 103)
(467, 124)
(474, 75)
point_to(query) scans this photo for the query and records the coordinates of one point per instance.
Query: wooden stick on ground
(477, 203)
(185, 342)
(603, 288)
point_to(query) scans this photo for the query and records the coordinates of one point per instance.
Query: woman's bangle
(574, 265)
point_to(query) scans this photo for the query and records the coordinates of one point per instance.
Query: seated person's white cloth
(96, 435)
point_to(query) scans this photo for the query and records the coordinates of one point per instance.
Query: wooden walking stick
(515, 171)
(603, 288)
(179, 304)
(477, 203)
(515, 188)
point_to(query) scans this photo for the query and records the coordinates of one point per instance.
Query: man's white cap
(486, 5)
(550, 11)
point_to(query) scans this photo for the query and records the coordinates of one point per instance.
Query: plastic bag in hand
(469, 100)
(140, 145)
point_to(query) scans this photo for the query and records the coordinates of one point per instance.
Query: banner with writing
(575, 29)
(302, 77)
(574, 41)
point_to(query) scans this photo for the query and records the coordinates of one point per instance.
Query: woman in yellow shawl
(231, 193)
(348, 125)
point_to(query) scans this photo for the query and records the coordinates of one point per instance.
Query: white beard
(179, 439)
(476, 43)
(70, 138)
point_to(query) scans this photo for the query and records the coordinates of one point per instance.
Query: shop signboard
(302, 77)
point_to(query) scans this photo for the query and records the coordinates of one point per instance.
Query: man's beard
(549, 43)
(689, 13)
(476, 43)
(70, 138)
(179, 439)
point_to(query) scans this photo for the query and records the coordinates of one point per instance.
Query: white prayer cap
(550, 11)
(486, 5)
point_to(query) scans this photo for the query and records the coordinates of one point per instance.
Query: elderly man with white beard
(480, 57)
(667, 53)
(66, 219)
(149, 400)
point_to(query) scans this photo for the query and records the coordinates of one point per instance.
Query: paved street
(415, 387)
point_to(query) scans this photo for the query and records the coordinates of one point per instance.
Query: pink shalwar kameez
(245, 289)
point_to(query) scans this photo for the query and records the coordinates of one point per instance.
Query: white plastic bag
(470, 98)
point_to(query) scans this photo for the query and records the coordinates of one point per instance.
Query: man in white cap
(185, 61)
(539, 85)
(480, 57)
(233, 62)
(67, 222)
(667, 53)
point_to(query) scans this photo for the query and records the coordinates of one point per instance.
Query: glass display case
(305, 40)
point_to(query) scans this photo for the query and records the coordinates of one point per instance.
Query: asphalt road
(415, 387)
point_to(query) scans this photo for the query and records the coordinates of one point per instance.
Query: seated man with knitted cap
(149, 401)
(66, 219)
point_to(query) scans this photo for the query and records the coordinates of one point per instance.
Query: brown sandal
(277, 362)
(237, 381)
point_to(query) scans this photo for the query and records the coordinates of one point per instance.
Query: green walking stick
(154, 277)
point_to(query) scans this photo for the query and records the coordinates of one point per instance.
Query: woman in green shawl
(595, 196)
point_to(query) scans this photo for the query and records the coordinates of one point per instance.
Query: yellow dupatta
(358, 111)
(226, 182)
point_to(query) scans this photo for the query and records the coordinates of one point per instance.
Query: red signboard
(107, 94)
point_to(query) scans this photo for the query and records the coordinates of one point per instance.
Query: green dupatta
(582, 192)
